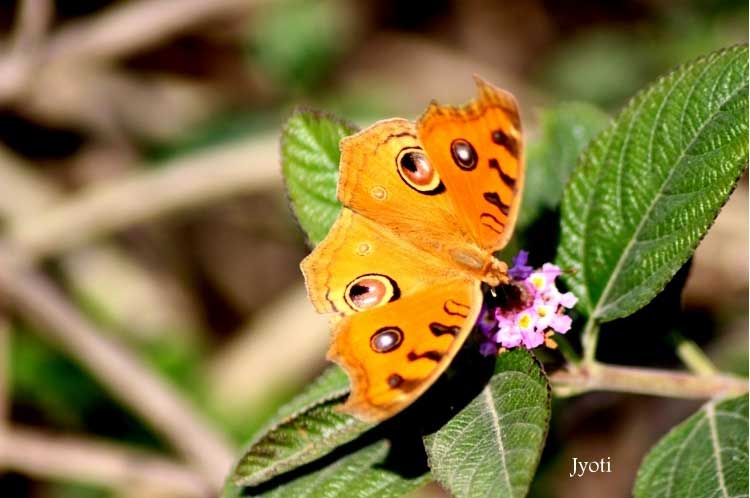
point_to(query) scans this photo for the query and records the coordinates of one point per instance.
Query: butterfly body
(426, 205)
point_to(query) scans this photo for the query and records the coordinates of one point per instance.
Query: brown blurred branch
(603, 377)
(262, 350)
(191, 181)
(117, 32)
(32, 22)
(34, 297)
(86, 459)
(126, 28)
(142, 306)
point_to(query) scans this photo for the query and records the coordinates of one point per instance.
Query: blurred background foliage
(101, 96)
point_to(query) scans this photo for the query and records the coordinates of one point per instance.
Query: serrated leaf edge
(599, 311)
(285, 131)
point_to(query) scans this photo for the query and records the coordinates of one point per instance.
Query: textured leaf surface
(492, 447)
(649, 187)
(706, 456)
(310, 163)
(362, 474)
(565, 130)
(305, 429)
(332, 384)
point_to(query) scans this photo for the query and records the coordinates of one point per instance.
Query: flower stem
(691, 355)
(568, 352)
(602, 377)
(589, 341)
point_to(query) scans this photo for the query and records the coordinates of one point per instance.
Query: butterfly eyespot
(463, 154)
(364, 249)
(386, 339)
(436, 242)
(379, 193)
(395, 380)
(368, 291)
(417, 172)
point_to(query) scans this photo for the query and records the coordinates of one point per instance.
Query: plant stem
(216, 173)
(4, 371)
(114, 33)
(601, 377)
(35, 298)
(692, 356)
(589, 341)
(568, 352)
(72, 458)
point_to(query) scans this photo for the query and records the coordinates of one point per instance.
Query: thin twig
(4, 371)
(117, 32)
(126, 28)
(32, 295)
(216, 173)
(142, 305)
(602, 377)
(567, 350)
(25, 190)
(31, 24)
(261, 350)
(24, 54)
(590, 340)
(691, 355)
(92, 461)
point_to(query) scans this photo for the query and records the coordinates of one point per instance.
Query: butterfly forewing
(426, 205)
(385, 176)
(478, 151)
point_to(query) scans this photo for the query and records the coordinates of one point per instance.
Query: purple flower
(508, 335)
(533, 338)
(534, 323)
(561, 323)
(520, 270)
(487, 322)
(568, 300)
(551, 272)
(545, 312)
(544, 280)
(488, 349)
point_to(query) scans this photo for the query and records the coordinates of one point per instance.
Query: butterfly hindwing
(425, 207)
(393, 353)
(361, 264)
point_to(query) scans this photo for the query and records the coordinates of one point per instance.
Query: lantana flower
(531, 318)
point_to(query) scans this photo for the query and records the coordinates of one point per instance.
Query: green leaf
(364, 473)
(565, 130)
(650, 185)
(331, 385)
(492, 447)
(305, 429)
(705, 456)
(297, 42)
(310, 163)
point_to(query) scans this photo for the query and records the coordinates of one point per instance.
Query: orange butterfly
(425, 207)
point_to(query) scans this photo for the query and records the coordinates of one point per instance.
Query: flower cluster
(532, 315)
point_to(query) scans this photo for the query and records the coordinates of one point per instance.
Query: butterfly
(425, 207)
